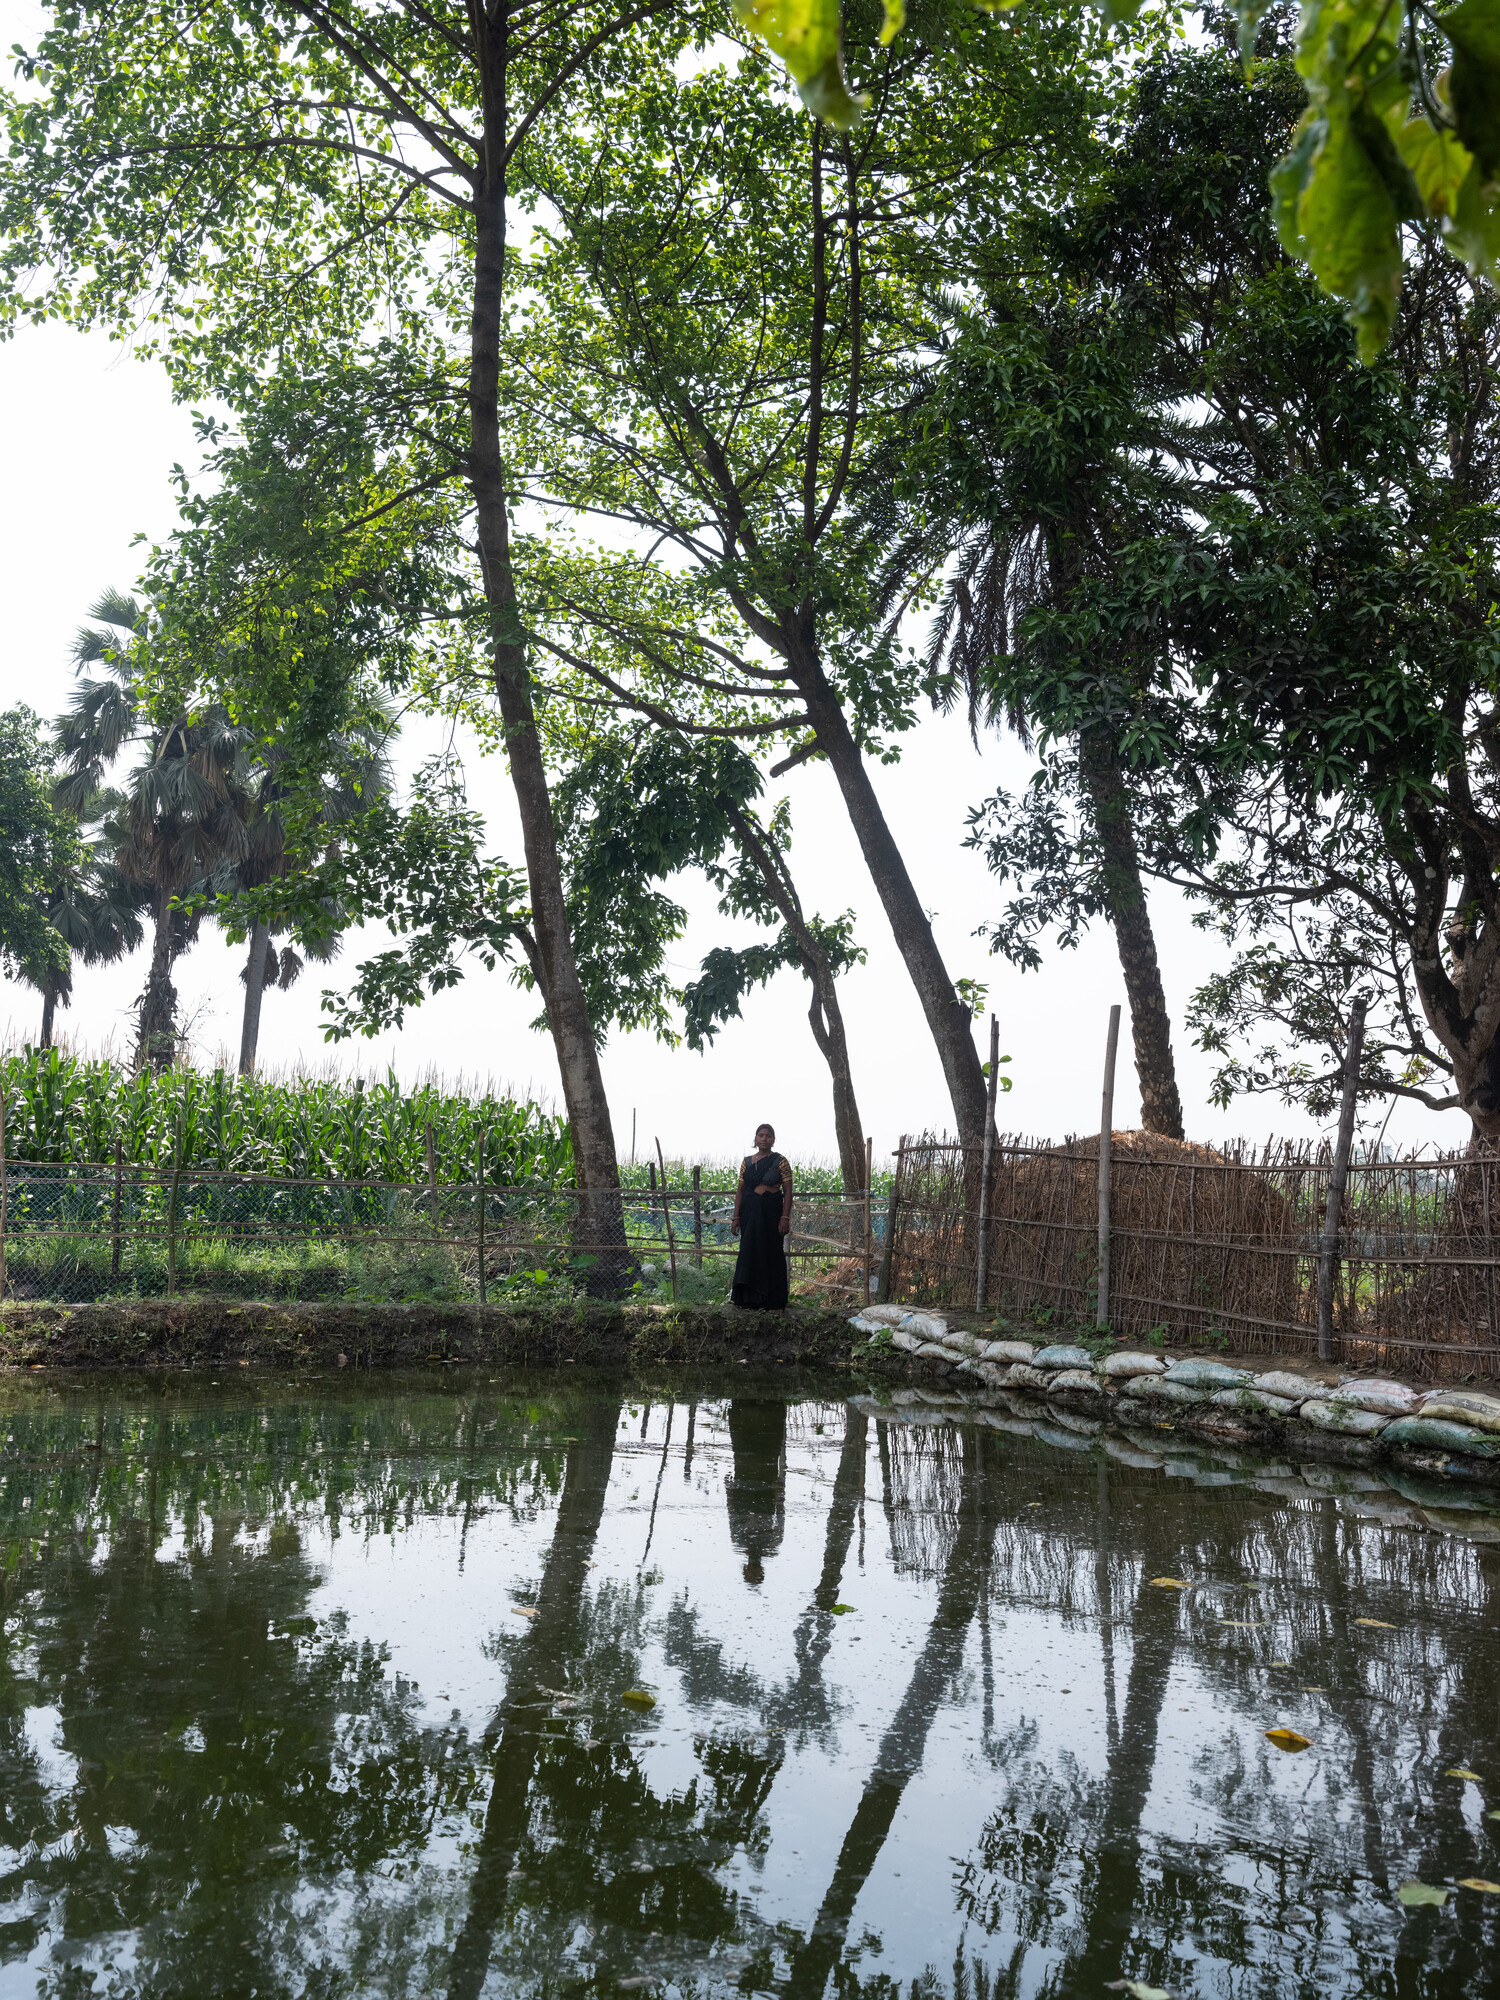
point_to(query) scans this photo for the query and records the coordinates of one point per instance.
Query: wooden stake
(483, 1295)
(432, 1187)
(172, 1210)
(869, 1174)
(986, 1166)
(698, 1217)
(667, 1218)
(888, 1248)
(1333, 1215)
(1106, 1148)
(114, 1219)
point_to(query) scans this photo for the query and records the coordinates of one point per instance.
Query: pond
(324, 1688)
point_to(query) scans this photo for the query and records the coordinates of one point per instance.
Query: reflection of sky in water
(1014, 1767)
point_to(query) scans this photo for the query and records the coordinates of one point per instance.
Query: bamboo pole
(114, 1218)
(2, 1192)
(888, 1247)
(1338, 1176)
(483, 1294)
(698, 1217)
(667, 1218)
(869, 1176)
(986, 1166)
(1106, 1148)
(172, 1208)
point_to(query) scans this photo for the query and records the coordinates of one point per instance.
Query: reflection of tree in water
(756, 1489)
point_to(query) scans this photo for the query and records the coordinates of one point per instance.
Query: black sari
(760, 1269)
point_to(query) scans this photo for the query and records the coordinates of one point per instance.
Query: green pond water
(316, 1688)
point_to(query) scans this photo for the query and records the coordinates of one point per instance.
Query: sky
(91, 437)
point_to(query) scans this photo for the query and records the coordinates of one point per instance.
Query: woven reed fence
(1213, 1244)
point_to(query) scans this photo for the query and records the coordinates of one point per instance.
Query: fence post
(483, 1295)
(986, 1165)
(432, 1186)
(1106, 1149)
(667, 1218)
(114, 1219)
(172, 1208)
(1338, 1175)
(698, 1217)
(869, 1176)
(888, 1247)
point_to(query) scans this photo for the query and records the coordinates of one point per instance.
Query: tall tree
(293, 185)
(725, 390)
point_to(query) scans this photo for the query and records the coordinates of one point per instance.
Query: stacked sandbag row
(1457, 1421)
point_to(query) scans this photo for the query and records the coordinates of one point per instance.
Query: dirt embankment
(209, 1333)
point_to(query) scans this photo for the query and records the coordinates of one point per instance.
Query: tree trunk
(157, 1048)
(255, 986)
(948, 1019)
(49, 1010)
(825, 1016)
(600, 1218)
(1125, 897)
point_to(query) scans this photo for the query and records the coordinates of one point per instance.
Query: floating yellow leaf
(638, 1698)
(1281, 1663)
(1478, 1882)
(1415, 1894)
(1379, 1624)
(1167, 1583)
(1289, 1739)
(523, 1611)
(1458, 1771)
(838, 1610)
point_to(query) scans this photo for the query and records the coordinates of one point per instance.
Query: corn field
(67, 1110)
(1216, 1244)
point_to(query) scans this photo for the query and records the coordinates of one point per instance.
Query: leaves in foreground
(1417, 1894)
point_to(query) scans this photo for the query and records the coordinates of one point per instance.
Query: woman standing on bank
(762, 1217)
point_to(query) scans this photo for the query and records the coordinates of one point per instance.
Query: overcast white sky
(90, 436)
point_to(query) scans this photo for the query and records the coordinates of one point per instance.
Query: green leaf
(1334, 211)
(806, 35)
(1415, 1894)
(1437, 161)
(895, 21)
(1474, 233)
(1473, 83)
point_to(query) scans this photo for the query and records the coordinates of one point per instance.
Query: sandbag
(1077, 1378)
(1199, 1374)
(1062, 1356)
(1251, 1398)
(888, 1315)
(1390, 1399)
(1009, 1350)
(862, 1324)
(1463, 1406)
(907, 1342)
(926, 1326)
(961, 1342)
(1281, 1382)
(1024, 1376)
(1159, 1388)
(1120, 1367)
(1424, 1433)
(930, 1350)
(1343, 1418)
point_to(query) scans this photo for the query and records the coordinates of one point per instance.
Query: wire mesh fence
(1213, 1243)
(80, 1233)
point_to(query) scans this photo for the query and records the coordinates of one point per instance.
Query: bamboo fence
(1211, 1244)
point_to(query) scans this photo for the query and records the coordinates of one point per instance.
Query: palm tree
(356, 773)
(97, 914)
(179, 825)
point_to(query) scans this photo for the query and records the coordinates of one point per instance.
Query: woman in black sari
(762, 1217)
